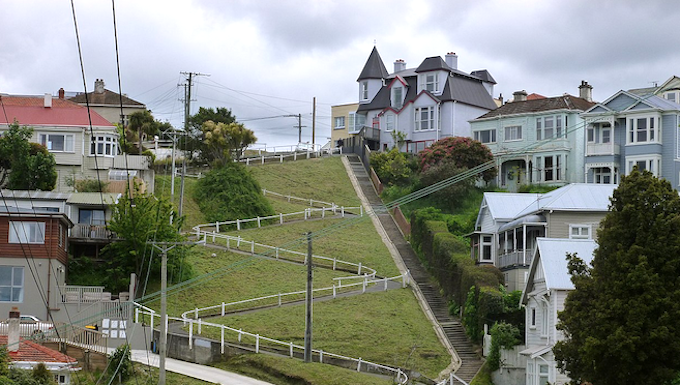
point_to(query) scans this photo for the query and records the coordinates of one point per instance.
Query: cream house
(85, 146)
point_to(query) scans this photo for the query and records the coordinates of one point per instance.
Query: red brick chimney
(61, 93)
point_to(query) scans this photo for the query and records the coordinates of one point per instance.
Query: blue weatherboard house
(536, 139)
(632, 128)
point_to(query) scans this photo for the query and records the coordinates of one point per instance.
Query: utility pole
(313, 120)
(187, 114)
(308, 300)
(164, 247)
(299, 125)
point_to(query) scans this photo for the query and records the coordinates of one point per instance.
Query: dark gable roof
(468, 91)
(106, 98)
(432, 64)
(374, 67)
(565, 102)
(484, 75)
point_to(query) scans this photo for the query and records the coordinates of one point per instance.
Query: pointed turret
(374, 67)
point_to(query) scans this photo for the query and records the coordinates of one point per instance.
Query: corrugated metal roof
(507, 206)
(29, 110)
(25, 194)
(574, 197)
(93, 198)
(552, 258)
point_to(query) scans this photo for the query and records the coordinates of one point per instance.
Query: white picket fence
(232, 242)
(281, 298)
(280, 157)
(289, 198)
(281, 218)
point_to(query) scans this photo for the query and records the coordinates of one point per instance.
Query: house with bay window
(85, 146)
(634, 128)
(418, 106)
(33, 259)
(508, 225)
(536, 140)
(543, 298)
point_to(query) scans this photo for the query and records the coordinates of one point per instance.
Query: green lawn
(350, 239)
(236, 277)
(387, 328)
(287, 371)
(383, 327)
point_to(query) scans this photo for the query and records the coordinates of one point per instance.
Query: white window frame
(532, 317)
(489, 134)
(389, 122)
(68, 141)
(557, 127)
(675, 98)
(419, 118)
(31, 232)
(397, 97)
(364, 90)
(545, 322)
(580, 231)
(339, 123)
(651, 134)
(557, 168)
(512, 133)
(543, 377)
(104, 145)
(15, 284)
(652, 163)
(604, 172)
(429, 81)
(486, 241)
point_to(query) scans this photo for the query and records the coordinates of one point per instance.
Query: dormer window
(364, 90)
(397, 97)
(430, 82)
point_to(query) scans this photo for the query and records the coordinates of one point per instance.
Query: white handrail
(306, 214)
(275, 252)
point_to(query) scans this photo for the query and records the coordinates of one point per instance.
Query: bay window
(548, 127)
(651, 163)
(550, 168)
(104, 145)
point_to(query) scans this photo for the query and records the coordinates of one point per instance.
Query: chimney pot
(452, 60)
(99, 86)
(585, 91)
(13, 330)
(519, 96)
(399, 65)
(48, 101)
(61, 93)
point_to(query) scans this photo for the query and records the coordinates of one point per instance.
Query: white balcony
(515, 257)
(602, 149)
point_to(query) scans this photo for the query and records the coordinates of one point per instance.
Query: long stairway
(452, 327)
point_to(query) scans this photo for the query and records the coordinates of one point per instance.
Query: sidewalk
(201, 372)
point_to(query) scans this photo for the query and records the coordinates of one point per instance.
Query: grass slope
(383, 327)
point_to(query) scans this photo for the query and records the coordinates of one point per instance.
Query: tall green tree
(144, 125)
(621, 322)
(25, 165)
(195, 138)
(226, 142)
(136, 222)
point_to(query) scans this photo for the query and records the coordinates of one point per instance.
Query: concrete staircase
(454, 330)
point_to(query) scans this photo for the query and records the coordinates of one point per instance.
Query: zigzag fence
(307, 214)
(280, 157)
(255, 248)
(304, 200)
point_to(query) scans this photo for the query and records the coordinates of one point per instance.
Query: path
(451, 326)
(201, 372)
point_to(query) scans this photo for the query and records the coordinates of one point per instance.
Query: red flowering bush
(464, 153)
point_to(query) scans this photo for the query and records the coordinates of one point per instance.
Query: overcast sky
(271, 57)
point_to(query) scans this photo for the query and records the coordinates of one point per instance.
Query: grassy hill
(386, 327)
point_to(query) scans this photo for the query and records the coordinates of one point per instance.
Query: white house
(543, 297)
(423, 104)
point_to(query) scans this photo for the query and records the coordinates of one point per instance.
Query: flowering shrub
(464, 153)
